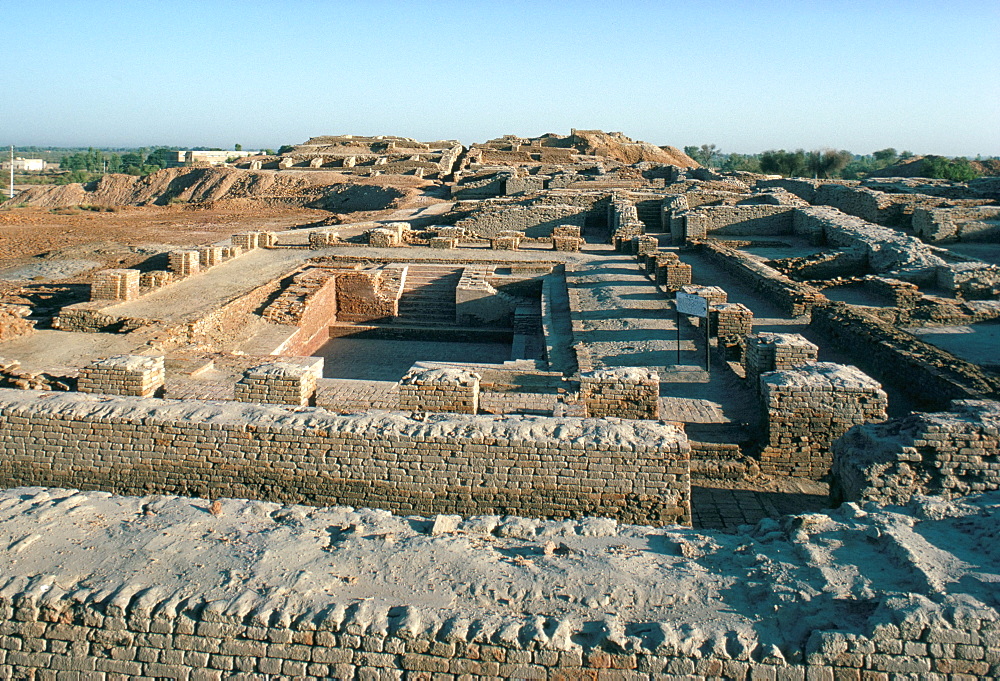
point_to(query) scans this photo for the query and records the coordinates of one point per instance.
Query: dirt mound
(621, 148)
(203, 185)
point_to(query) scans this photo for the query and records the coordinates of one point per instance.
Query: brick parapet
(636, 471)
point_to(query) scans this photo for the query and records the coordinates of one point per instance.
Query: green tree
(238, 147)
(740, 162)
(786, 163)
(705, 154)
(957, 169)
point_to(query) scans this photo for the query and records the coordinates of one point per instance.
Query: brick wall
(793, 297)
(562, 467)
(440, 390)
(951, 453)
(926, 374)
(133, 375)
(119, 284)
(737, 220)
(768, 351)
(807, 408)
(536, 220)
(957, 224)
(623, 392)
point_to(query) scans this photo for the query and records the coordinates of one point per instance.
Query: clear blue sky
(920, 75)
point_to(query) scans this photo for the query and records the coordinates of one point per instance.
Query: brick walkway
(715, 508)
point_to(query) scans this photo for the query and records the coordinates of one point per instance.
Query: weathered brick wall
(730, 321)
(768, 351)
(278, 383)
(867, 204)
(568, 467)
(794, 297)
(670, 272)
(957, 224)
(951, 454)
(310, 303)
(536, 220)
(132, 375)
(118, 284)
(737, 220)
(805, 409)
(153, 638)
(184, 263)
(14, 322)
(927, 374)
(360, 297)
(440, 390)
(78, 621)
(624, 392)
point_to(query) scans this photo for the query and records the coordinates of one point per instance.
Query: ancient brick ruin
(431, 411)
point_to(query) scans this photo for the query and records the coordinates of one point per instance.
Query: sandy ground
(588, 580)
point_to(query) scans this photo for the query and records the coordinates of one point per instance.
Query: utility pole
(11, 188)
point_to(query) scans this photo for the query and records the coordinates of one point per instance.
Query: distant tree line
(828, 163)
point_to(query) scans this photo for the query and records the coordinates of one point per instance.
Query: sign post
(694, 306)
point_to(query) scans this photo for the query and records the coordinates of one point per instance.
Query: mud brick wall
(794, 297)
(731, 321)
(957, 224)
(535, 220)
(360, 297)
(443, 242)
(277, 383)
(950, 454)
(671, 273)
(627, 392)
(929, 376)
(133, 375)
(807, 408)
(440, 390)
(767, 351)
(118, 284)
(737, 220)
(149, 635)
(531, 466)
(155, 279)
(184, 263)
(210, 256)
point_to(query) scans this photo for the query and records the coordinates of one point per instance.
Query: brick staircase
(428, 297)
(649, 214)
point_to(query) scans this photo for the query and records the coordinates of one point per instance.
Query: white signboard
(690, 304)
